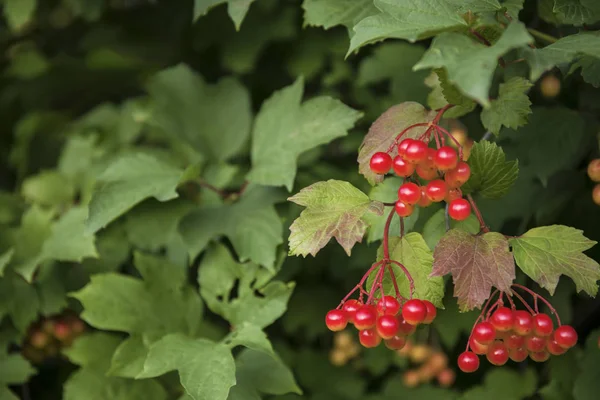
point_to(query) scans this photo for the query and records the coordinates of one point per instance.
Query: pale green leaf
(5, 259)
(19, 300)
(14, 369)
(491, 175)
(470, 64)
(406, 19)
(250, 336)
(36, 227)
(266, 373)
(444, 93)
(48, 188)
(93, 350)
(577, 12)
(330, 13)
(69, 240)
(214, 119)
(510, 108)
(19, 13)
(285, 128)
(206, 369)
(435, 227)
(547, 252)
(476, 6)
(129, 357)
(91, 384)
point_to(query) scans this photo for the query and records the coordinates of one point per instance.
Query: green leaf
(384, 130)
(91, 384)
(330, 13)
(7, 394)
(36, 227)
(587, 383)
(5, 259)
(14, 369)
(206, 369)
(547, 252)
(504, 384)
(20, 300)
(477, 264)
(412, 252)
(214, 119)
(19, 13)
(445, 93)
(251, 224)
(435, 227)
(451, 324)
(129, 357)
(266, 372)
(562, 51)
(406, 19)
(470, 64)
(511, 108)
(237, 9)
(93, 350)
(334, 209)
(250, 336)
(491, 175)
(127, 181)
(577, 12)
(590, 70)
(48, 188)
(563, 372)
(285, 128)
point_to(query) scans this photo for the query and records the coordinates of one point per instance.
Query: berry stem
(447, 218)
(527, 306)
(482, 226)
(221, 192)
(386, 234)
(537, 296)
(456, 143)
(360, 284)
(542, 36)
(411, 281)
(480, 317)
(393, 276)
(377, 284)
(401, 227)
(397, 139)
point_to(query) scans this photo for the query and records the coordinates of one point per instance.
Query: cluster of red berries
(593, 171)
(387, 320)
(48, 336)
(516, 335)
(442, 172)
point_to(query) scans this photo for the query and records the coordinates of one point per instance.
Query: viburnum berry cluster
(430, 174)
(502, 333)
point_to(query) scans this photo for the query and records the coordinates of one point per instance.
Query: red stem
(397, 139)
(411, 281)
(537, 296)
(456, 143)
(487, 303)
(394, 282)
(361, 283)
(386, 234)
(518, 296)
(482, 226)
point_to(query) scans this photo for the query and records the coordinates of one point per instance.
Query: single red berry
(388, 305)
(535, 343)
(403, 145)
(522, 322)
(62, 331)
(518, 355)
(431, 312)
(409, 193)
(542, 325)
(403, 209)
(350, 307)
(453, 194)
(414, 311)
(365, 317)
(477, 347)
(387, 326)
(381, 162)
(593, 170)
(458, 176)
(426, 172)
(502, 319)
(497, 353)
(514, 341)
(468, 361)
(484, 332)
(416, 152)
(445, 158)
(565, 336)
(554, 348)
(424, 201)
(404, 328)
(39, 339)
(369, 338)
(395, 343)
(459, 209)
(539, 356)
(436, 190)
(336, 320)
(402, 168)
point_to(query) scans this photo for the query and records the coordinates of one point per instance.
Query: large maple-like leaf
(333, 209)
(385, 129)
(547, 252)
(477, 263)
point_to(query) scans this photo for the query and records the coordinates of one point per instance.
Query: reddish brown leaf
(385, 129)
(477, 263)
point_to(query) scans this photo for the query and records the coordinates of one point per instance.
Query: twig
(482, 226)
(487, 136)
(542, 36)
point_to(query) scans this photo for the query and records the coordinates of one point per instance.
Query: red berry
(336, 320)
(426, 173)
(542, 325)
(409, 193)
(369, 338)
(403, 145)
(539, 356)
(39, 339)
(381, 162)
(431, 312)
(502, 319)
(535, 343)
(459, 209)
(458, 176)
(522, 322)
(388, 305)
(350, 307)
(453, 194)
(414, 311)
(365, 317)
(518, 355)
(514, 341)
(62, 331)
(554, 348)
(445, 158)
(415, 152)
(395, 343)
(403, 209)
(484, 333)
(565, 336)
(436, 190)
(477, 347)
(468, 361)
(497, 353)
(402, 168)
(404, 328)
(387, 326)
(424, 201)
